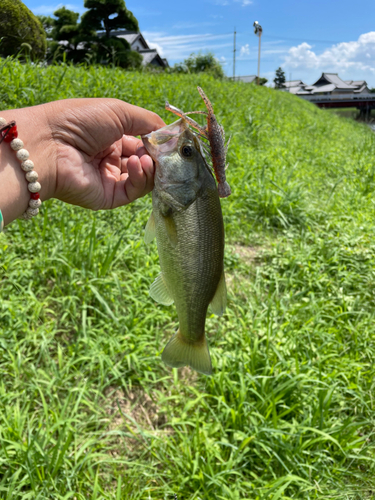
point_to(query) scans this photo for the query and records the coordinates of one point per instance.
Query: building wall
(138, 45)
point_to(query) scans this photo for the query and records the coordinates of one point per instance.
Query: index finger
(132, 146)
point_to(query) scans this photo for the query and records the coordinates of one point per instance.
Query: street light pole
(258, 30)
(234, 55)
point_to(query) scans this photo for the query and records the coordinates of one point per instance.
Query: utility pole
(234, 55)
(258, 30)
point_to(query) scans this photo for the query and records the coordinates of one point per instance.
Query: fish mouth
(165, 139)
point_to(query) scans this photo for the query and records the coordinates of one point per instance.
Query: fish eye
(186, 151)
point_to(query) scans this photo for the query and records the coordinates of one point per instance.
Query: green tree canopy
(47, 22)
(116, 51)
(19, 27)
(280, 78)
(67, 29)
(200, 63)
(99, 16)
(66, 25)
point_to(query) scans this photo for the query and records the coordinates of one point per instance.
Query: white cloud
(48, 10)
(245, 50)
(341, 57)
(156, 46)
(178, 47)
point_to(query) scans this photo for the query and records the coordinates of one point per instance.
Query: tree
(67, 33)
(200, 63)
(65, 26)
(262, 81)
(109, 15)
(47, 23)
(19, 28)
(100, 16)
(117, 51)
(280, 78)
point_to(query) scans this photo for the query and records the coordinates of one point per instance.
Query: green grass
(88, 410)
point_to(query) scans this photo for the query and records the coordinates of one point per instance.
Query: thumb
(94, 124)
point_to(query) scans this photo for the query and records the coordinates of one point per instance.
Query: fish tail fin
(178, 352)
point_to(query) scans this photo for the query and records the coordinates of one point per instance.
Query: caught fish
(188, 225)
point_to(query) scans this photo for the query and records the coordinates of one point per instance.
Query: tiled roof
(295, 90)
(293, 83)
(327, 83)
(334, 79)
(132, 37)
(150, 55)
(324, 88)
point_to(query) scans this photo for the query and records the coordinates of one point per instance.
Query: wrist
(33, 130)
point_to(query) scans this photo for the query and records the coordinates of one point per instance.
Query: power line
(281, 38)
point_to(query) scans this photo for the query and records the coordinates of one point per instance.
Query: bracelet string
(9, 134)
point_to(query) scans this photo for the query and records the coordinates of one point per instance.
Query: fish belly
(191, 251)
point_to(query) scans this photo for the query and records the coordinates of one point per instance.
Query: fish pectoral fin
(178, 352)
(219, 302)
(170, 226)
(159, 291)
(150, 231)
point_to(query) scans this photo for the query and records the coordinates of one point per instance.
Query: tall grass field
(87, 408)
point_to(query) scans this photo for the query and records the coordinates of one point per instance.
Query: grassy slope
(87, 410)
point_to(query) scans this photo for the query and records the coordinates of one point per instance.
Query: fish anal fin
(219, 302)
(159, 291)
(179, 352)
(150, 231)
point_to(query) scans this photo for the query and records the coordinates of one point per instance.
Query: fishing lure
(214, 133)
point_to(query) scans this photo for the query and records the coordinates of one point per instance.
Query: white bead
(35, 203)
(31, 176)
(26, 216)
(22, 154)
(32, 211)
(2, 122)
(27, 165)
(34, 187)
(16, 144)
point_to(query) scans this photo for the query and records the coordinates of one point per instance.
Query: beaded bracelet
(8, 133)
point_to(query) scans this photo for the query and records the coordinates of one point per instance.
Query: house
(138, 43)
(329, 84)
(329, 91)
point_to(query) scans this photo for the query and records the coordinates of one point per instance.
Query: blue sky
(304, 38)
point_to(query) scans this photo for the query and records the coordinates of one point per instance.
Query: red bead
(12, 134)
(34, 196)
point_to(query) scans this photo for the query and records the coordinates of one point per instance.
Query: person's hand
(99, 162)
(84, 152)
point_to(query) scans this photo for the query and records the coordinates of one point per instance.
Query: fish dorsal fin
(159, 291)
(150, 231)
(219, 302)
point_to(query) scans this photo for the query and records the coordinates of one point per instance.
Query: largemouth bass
(188, 225)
